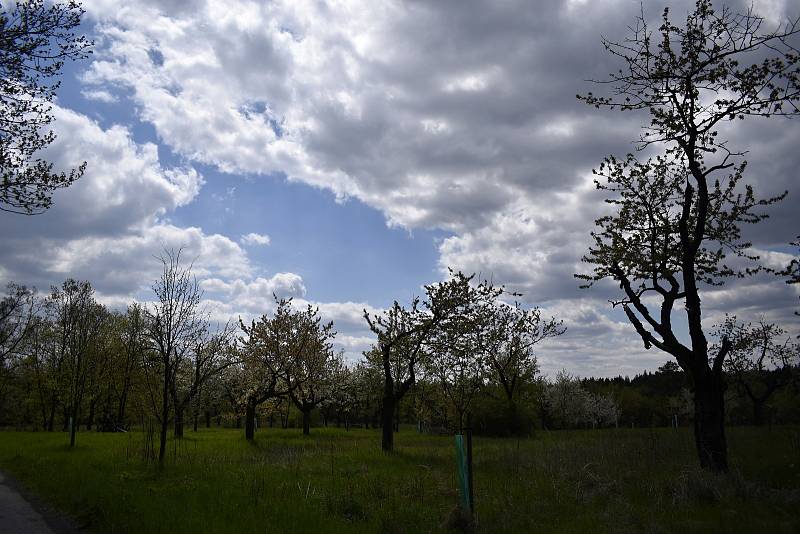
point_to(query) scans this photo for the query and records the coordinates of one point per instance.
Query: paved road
(19, 516)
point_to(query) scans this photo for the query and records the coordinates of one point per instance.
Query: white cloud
(255, 239)
(111, 224)
(99, 95)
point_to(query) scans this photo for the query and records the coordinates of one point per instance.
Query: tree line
(460, 355)
(68, 360)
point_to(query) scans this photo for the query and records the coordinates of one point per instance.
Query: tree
(761, 360)
(36, 38)
(510, 359)
(401, 333)
(17, 320)
(460, 345)
(565, 400)
(174, 327)
(17, 311)
(272, 347)
(677, 214)
(134, 344)
(209, 356)
(316, 375)
(78, 320)
(366, 392)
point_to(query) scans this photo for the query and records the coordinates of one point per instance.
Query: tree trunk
(52, 418)
(208, 419)
(123, 400)
(306, 422)
(90, 419)
(709, 422)
(194, 426)
(178, 422)
(250, 421)
(73, 427)
(387, 420)
(162, 445)
(121, 411)
(513, 418)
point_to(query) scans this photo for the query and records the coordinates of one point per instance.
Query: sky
(345, 153)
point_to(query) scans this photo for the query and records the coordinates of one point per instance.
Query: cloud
(99, 95)
(255, 239)
(458, 116)
(343, 97)
(110, 226)
(256, 296)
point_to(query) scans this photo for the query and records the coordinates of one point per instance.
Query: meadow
(615, 480)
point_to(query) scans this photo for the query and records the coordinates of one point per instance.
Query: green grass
(337, 481)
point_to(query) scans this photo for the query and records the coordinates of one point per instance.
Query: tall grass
(337, 481)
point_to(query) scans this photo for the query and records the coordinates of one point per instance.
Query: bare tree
(174, 328)
(679, 213)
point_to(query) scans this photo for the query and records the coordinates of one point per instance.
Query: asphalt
(22, 513)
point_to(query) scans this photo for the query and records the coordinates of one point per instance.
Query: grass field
(336, 481)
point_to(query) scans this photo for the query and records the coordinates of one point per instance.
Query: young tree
(174, 327)
(36, 37)
(679, 213)
(761, 360)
